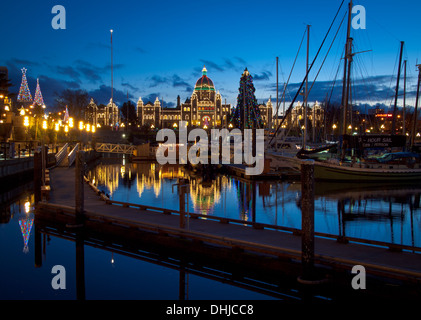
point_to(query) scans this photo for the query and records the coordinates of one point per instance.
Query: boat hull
(331, 172)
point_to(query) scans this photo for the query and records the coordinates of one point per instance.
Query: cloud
(70, 72)
(128, 85)
(374, 89)
(22, 62)
(211, 65)
(240, 60)
(94, 73)
(263, 76)
(103, 95)
(140, 50)
(157, 80)
(150, 97)
(179, 82)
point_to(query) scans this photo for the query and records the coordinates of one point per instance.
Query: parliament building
(204, 109)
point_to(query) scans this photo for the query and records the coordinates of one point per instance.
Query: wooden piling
(79, 184)
(38, 246)
(307, 219)
(37, 176)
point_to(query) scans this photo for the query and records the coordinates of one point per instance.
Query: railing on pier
(61, 154)
(259, 225)
(72, 154)
(115, 148)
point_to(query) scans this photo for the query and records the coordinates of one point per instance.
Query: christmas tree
(247, 113)
(38, 100)
(24, 93)
(25, 227)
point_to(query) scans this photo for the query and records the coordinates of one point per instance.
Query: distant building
(107, 116)
(315, 115)
(204, 109)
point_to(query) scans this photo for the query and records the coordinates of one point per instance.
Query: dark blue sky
(160, 47)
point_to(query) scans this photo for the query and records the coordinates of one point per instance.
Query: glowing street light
(44, 124)
(57, 126)
(26, 121)
(71, 122)
(81, 125)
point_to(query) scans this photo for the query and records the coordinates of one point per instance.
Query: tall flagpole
(112, 89)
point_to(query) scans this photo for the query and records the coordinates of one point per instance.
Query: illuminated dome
(204, 83)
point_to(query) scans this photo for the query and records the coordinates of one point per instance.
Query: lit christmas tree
(24, 93)
(38, 100)
(246, 101)
(25, 227)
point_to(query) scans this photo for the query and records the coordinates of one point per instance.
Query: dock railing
(259, 225)
(72, 154)
(61, 154)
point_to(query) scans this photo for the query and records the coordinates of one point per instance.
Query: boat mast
(306, 91)
(345, 78)
(404, 98)
(277, 103)
(396, 91)
(414, 128)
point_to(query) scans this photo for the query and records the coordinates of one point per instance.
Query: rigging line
(290, 73)
(334, 81)
(308, 71)
(391, 78)
(364, 80)
(327, 53)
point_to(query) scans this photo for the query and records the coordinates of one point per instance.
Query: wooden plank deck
(377, 260)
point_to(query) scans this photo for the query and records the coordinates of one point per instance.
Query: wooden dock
(387, 261)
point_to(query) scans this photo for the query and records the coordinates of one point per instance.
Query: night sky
(160, 47)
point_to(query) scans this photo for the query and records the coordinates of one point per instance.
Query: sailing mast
(414, 128)
(397, 89)
(306, 91)
(404, 98)
(277, 103)
(346, 71)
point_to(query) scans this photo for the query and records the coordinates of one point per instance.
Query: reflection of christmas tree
(25, 227)
(38, 100)
(246, 101)
(24, 93)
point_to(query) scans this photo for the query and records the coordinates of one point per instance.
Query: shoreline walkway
(380, 261)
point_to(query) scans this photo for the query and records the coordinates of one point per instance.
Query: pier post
(307, 219)
(38, 246)
(79, 187)
(80, 266)
(183, 189)
(37, 176)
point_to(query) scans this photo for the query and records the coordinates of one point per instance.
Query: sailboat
(391, 166)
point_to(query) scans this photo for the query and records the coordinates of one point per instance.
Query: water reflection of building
(26, 219)
(205, 195)
(107, 175)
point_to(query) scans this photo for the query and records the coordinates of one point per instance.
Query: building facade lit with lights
(204, 108)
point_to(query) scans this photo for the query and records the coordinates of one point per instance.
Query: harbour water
(390, 214)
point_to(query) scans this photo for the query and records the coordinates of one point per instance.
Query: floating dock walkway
(388, 260)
